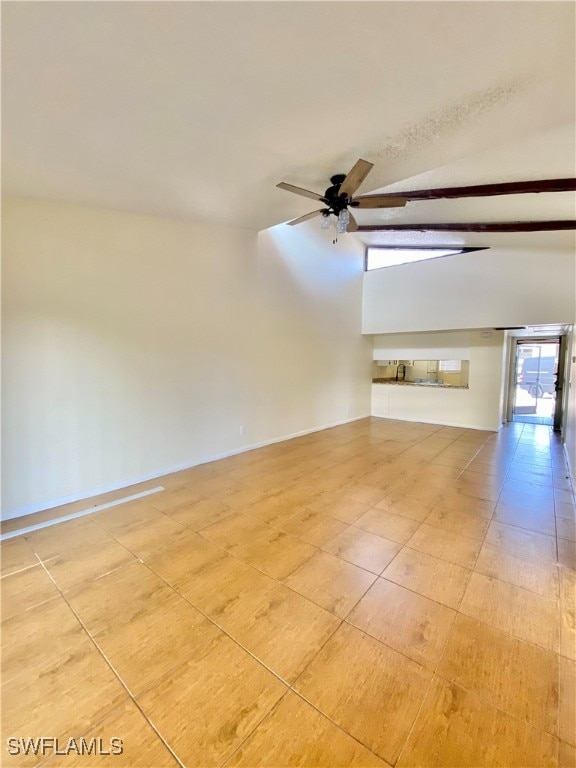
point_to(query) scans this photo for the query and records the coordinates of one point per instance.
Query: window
(450, 366)
(448, 373)
(378, 256)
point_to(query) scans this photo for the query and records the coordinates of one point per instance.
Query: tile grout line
(206, 616)
(199, 532)
(472, 571)
(239, 559)
(442, 655)
(290, 686)
(258, 724)
(341, 619)
(416, 717)
(113, 670)
(500, 580)
(212, 621)
(26, 568)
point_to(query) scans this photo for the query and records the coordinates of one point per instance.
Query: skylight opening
(378, 257)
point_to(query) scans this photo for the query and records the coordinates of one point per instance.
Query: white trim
(568, 464)
(74, 515)
(44, 505)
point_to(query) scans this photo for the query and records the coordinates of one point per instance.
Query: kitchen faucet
(403, 372)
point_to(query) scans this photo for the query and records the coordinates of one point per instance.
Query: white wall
(478, 407)
(134, 345)
(569, 426)
(453, 345)
(494, 288)
(570, 418)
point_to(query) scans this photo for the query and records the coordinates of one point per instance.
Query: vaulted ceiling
(197, 109)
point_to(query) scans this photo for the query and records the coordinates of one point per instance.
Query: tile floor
(380, 593)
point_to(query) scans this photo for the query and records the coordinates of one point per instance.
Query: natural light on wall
(378, 257)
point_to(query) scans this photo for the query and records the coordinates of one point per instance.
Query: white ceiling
(197, 109)
(549, 154)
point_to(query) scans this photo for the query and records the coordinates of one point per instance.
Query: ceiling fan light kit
(339, 199)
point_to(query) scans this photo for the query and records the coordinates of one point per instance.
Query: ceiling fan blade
(352, 224)
(355, 177)
(380, 201)
(306, 216)
(299, 191)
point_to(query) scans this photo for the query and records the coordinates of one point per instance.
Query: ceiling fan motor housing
(336, 201)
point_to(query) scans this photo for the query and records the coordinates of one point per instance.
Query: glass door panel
(536, 370)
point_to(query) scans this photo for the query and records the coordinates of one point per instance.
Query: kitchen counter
(428, 384)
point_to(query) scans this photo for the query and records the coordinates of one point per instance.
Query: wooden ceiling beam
(486, 190)
(492, 226)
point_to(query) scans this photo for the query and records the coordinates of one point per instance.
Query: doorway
(537, 381)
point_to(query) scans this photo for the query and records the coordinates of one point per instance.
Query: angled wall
(499, 287)
(570, 402)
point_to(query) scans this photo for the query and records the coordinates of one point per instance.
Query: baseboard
(569, 464)
(42, 506)
(81, 513)
(480, 427)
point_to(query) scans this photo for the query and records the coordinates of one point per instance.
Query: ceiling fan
(339, 198)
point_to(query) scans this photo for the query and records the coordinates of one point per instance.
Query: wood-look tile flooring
(380, 593)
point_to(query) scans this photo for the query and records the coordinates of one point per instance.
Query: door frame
(562, 340)
(558, 419)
